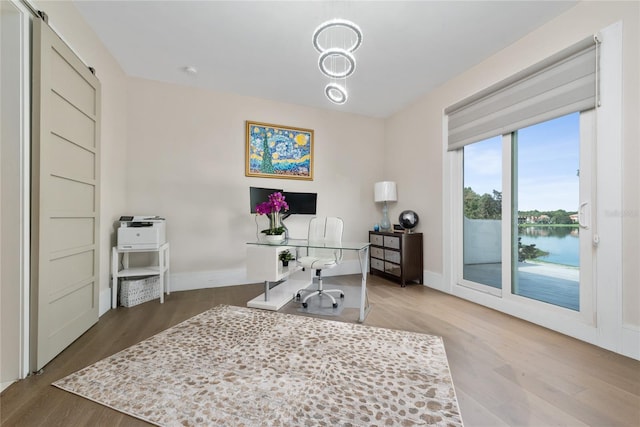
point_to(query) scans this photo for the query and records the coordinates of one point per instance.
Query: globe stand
(408, 220)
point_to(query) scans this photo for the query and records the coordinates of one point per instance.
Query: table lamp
(385, 191)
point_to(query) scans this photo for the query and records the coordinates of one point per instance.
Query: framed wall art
(275, 151)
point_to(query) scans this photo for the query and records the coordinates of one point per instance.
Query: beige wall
(418, 129)
(630, 171)
(416, 132)
(186, 162)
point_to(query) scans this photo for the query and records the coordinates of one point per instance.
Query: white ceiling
(263, 48)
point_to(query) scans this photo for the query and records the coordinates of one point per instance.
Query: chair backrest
(326, 229)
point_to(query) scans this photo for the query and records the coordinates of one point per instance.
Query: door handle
(581, 216)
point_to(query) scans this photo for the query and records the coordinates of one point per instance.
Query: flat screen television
(301, 203)
(258, 195)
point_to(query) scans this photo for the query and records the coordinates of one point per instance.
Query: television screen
(258, 195)
(301, 203)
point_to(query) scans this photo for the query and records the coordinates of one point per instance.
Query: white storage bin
(135, 291)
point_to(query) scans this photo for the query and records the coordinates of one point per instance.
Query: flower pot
(274, 239)
(285, 263)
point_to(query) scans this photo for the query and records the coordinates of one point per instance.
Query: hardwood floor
(507, 372)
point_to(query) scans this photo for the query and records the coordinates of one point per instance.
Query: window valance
(561, 84)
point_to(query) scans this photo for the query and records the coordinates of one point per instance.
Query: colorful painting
(275, 151)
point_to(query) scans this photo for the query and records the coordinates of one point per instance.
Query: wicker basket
(135, 291)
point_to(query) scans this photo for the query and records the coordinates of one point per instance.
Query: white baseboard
(435, 281)
(207, 279)
(631, 341)
(104, 301)
(5, 385)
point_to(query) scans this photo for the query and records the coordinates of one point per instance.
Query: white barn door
(65, 196)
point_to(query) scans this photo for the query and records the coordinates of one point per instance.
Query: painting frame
(290, 148)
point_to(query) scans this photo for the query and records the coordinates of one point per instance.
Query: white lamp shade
(385, 191)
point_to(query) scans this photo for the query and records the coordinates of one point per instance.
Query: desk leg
(114, 291)
(266, 290)
(114, 278)
(161, 261)
(363, 254)
(167, 262)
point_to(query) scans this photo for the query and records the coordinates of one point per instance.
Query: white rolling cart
(118, 272)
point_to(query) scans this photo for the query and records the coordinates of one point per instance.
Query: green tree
(560, 217)
(486, 206)
(471, 202)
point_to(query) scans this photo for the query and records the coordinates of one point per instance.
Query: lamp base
(385, 224)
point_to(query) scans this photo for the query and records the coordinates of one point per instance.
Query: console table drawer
(392, 242)
(393, 256)
(377, 239)
(377, 264)
(377, 253)
(392, 269)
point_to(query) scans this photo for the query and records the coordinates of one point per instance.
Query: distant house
(543, 219)
(574, 218)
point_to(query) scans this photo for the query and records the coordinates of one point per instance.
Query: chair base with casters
(318, 292)
(326, 233)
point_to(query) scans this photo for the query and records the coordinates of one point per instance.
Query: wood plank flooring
(507, 372)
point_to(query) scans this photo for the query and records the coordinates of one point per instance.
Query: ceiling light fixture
(336, 93)
(332, 53)
(334, 23)
(332, 56)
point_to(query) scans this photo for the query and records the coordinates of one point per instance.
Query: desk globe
(408, 220)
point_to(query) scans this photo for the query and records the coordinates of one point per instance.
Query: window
(522, 191)
(482, 207)
(600, 232)
(545, 202)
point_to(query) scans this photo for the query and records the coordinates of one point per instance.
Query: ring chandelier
(336, 93)
(334, 23)
(335, 52)
(329, 54)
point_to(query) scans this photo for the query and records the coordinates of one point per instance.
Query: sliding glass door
(482, 215)
(546, 178)
(543, 223)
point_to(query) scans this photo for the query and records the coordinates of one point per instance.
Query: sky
(548, 163)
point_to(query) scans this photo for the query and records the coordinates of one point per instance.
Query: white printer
(141, 232)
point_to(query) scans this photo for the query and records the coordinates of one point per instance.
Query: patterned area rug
(238, 366)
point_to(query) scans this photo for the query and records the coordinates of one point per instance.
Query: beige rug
(233, 366)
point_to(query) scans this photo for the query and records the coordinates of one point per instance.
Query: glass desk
(263, 265)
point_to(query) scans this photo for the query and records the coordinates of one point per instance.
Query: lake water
(562, 243)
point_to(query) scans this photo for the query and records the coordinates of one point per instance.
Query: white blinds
(561, 84)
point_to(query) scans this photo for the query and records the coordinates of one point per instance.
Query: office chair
(322, 230)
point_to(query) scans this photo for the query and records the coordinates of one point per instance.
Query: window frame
(605, 328)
